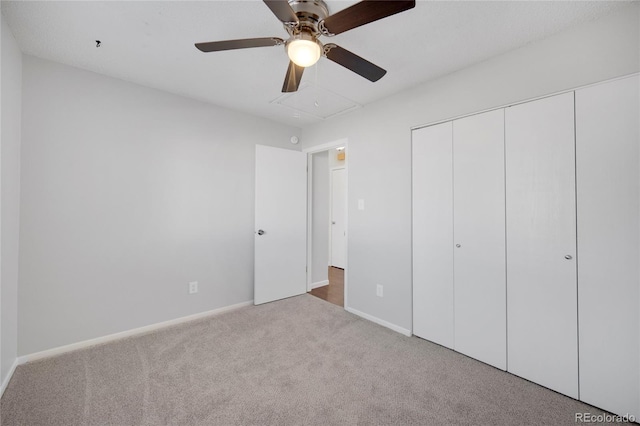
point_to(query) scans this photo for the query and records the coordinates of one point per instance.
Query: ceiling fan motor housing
(310, 13)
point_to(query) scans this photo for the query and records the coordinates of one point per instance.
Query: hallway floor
(334, 292)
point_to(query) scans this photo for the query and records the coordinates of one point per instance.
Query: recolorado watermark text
(602, 418)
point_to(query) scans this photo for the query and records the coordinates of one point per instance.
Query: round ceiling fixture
(304, 49)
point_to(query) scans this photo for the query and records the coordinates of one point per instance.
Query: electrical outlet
(193, 287)
(379, 290)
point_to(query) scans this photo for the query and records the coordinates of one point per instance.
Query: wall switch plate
(193, 287)
(361, 204)
(379, 290)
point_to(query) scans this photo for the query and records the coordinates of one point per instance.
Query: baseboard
(383, 323)
(133, 332)
(319, 284)
(7, 379)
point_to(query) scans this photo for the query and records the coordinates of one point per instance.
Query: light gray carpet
(299, 361)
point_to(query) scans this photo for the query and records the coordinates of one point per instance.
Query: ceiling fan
(305, 21)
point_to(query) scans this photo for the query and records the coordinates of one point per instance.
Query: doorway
(327, 222)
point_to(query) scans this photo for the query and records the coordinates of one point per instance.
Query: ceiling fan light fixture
(305, 21)
(304, 50)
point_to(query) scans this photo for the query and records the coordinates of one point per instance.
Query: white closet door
(607, 139)
(432, 234)
(541, 243)
(479, 237)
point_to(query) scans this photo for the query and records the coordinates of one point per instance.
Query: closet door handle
(458, 246)
(568, 257)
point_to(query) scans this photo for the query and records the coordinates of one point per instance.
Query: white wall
(380, 142)
(129, 193)
(10, 198)
(320, 203)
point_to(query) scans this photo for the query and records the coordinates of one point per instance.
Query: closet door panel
(433, 234)
(479, 237)
(607, 139)
(541, 243)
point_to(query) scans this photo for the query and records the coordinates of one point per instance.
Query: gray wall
(129, 193)
(380, 142)
(10, 199)
(320, 217)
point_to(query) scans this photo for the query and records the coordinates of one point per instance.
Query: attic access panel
(316, 101)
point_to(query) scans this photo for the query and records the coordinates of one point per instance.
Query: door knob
(568, 257)
(260, 232)
(458, 245)
(333, 222)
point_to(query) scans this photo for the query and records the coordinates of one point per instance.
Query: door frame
(310, 151)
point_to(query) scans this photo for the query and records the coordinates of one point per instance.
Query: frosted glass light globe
(303, 53)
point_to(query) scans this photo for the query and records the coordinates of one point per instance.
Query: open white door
(338, 217)
(280, 224)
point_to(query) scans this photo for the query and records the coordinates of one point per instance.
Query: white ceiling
(151, 43)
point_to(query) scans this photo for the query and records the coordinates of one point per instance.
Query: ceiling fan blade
(282, 10)
(293, 77)
(363, 13)
(354, 62)
(216, 46)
